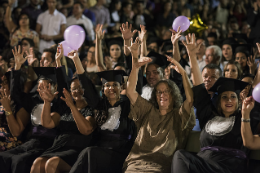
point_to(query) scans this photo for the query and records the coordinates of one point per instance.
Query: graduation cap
(47, 73)
(167, 45)
(116, 40)
(154, 39)
(229, 41)
(121, 64)
(112, 76)
(248, 75)
(29, 40)
(158, 59)
(139, 1)
(243, 48)
(227, 84)
(240, 36)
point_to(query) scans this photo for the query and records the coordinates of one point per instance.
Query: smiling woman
(163, 123)
(221, 141)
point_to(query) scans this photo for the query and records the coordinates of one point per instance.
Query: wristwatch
(7, 113)
(245, 120)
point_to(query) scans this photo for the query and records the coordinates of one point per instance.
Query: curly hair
(177, 99)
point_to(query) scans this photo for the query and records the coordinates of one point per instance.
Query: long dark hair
(101, 114)
(219, 104)
(122, 56)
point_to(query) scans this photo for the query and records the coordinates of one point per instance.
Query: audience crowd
(130, 96)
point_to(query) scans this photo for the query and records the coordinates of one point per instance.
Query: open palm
(99, 33)
(191, 45)
(126, 31)
(18, 56)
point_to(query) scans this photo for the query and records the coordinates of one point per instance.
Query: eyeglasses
(108, 86)
(167, 92)
(76, 89)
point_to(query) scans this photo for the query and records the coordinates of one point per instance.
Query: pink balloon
(66, 48)
(75, 36)
(256, 93)
(181, 21)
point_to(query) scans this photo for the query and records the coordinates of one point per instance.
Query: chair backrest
(193, 143)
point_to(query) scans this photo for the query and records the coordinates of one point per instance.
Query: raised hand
(59, 53)
(141, 34)
(248, 105)
(252, 64)
(176, 65)
(191, 46)
(45, 93)
(99, 33)
(18, 57)
(127, 34)
(134, 48)
(258, 47)
(108, 63)
(30, 57)
(5, 100)
(175, 36)
(68, 98)
(73, 54)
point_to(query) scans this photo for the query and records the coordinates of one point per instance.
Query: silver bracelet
(245, 120)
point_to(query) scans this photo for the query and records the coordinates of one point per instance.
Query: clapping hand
(127, 34)
(5, 100)
(45, 93)
(68, 98)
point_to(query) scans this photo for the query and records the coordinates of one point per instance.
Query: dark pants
(186, 162)
(99, 160)
(21, 158)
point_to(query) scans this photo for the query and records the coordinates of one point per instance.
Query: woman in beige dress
(163, 123)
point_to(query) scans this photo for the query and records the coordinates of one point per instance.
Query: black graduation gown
(70, 142)
(20, 159)
(110, 148)
(209, 159)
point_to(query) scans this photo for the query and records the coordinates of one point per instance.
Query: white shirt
(147, 92)
(86, 23)
(51, 24)
(201, 63)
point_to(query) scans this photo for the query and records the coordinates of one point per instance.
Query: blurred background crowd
(40, 24)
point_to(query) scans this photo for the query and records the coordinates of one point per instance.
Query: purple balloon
(66, 47)
(181, 21)
(256, 93)
(75, 36)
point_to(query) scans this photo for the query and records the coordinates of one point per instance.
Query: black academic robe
(20, 159)
(110, 147)
(69, 142)
(221, 142)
